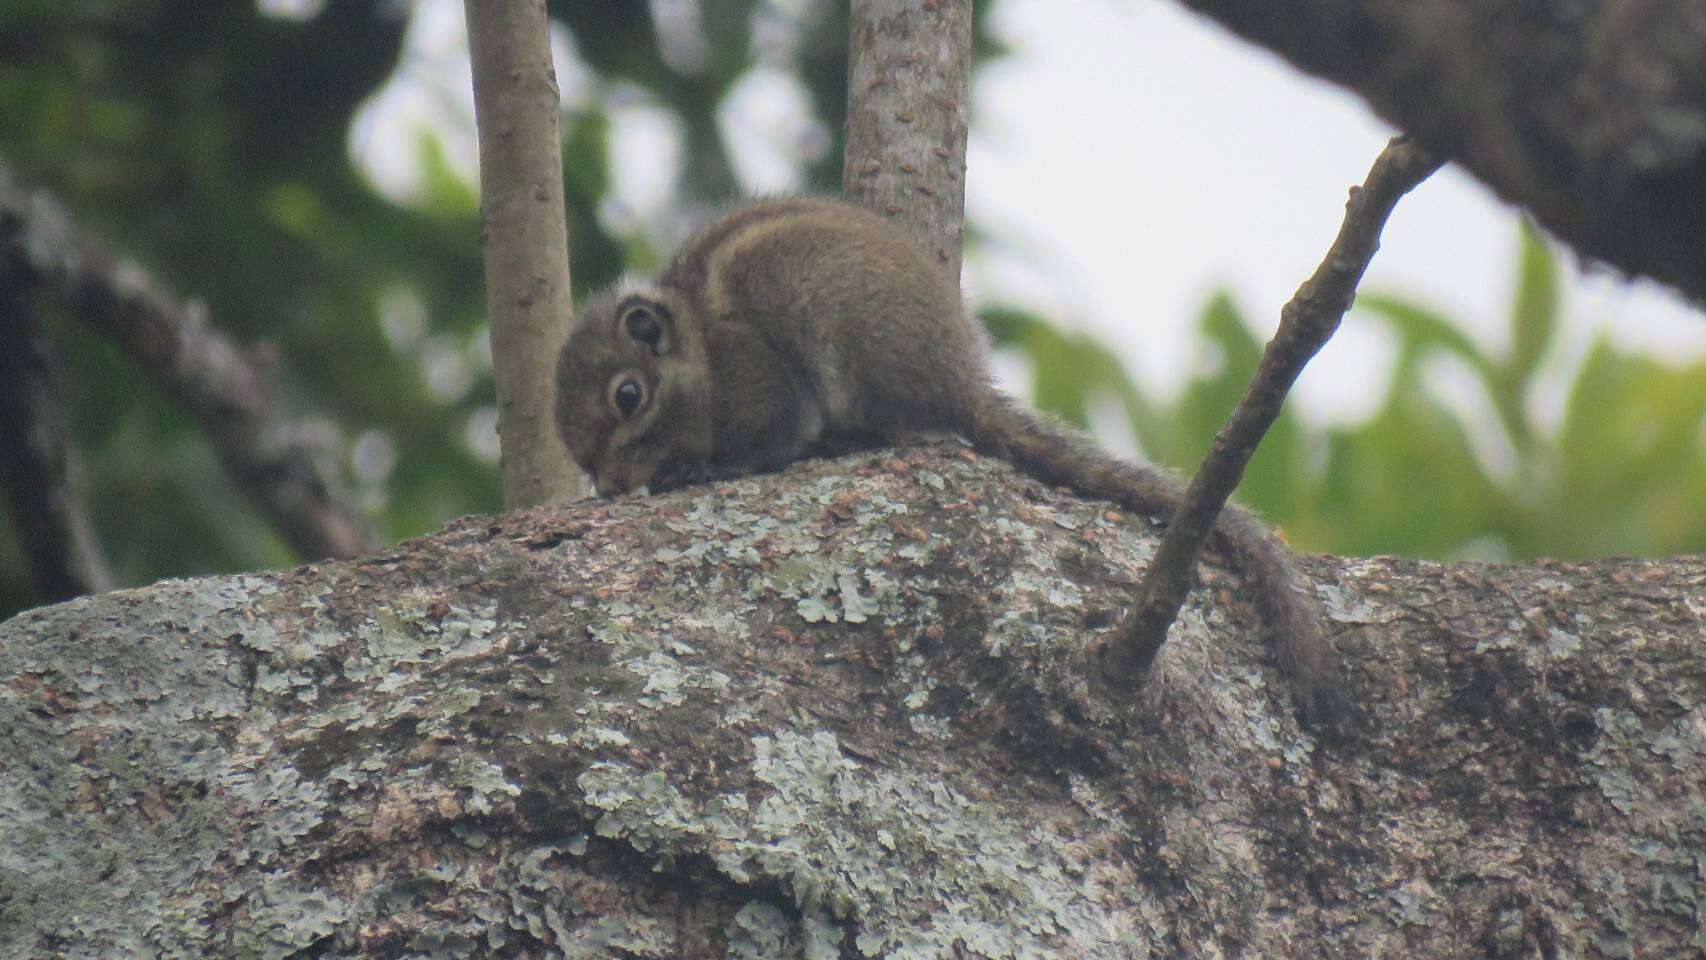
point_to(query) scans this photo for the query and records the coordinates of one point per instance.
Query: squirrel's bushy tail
(1059, 455)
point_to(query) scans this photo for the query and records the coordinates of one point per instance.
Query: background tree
(526, 243)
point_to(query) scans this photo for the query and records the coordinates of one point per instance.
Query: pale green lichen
(64, 861)
(1412, 904)
(1561, 644)
(831, 593)
(667, 680)
(1615, 935)
(760, 931)
(142, 798)
(594, 738)
(877, 848)
(1345, 606)
(484, 780)
(642, 808)
(816, 610)
(855, 607)
(286, 918)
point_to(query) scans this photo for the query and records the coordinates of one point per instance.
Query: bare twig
(1305, 325)
(38, 466)
(909, 80)
(288, 475)
(527, 254)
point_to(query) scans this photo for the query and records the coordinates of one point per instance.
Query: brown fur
(792, 325)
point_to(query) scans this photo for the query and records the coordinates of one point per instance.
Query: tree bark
(1591, 115)
(840, 712)
(516, 102)
(908, 95)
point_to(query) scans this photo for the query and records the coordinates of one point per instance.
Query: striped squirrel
(793, 326)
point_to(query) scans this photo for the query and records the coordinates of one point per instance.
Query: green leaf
(1419, 326)
(443, 191)
(1421, 330)
(1406, 481)
(1631, 475)
(1070, 371)
(1534, 310)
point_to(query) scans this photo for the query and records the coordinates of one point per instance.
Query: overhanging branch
(1591, 115)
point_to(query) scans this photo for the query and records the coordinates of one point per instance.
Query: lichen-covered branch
(841, 711)
(908, 99)
(1591, 115)
(526, 239)
(39, 468)
(291, 478)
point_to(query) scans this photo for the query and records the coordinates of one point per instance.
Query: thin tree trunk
(908, 93)
(516, 103)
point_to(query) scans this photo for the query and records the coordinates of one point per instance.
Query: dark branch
(909, 80)
(38, 467)
(291, 478)
(1591, 115)
(1305, 325)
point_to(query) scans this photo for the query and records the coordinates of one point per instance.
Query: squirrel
(793, 326)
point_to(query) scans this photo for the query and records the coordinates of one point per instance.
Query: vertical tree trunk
(526, 240)
(38, 467)
(908, 87)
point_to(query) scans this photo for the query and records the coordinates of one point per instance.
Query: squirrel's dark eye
(626, 394)
(645, 324)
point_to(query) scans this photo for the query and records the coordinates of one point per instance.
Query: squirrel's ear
(648, 323)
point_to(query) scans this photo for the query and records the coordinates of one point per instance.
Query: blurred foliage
(1624, 472)
(211, 141)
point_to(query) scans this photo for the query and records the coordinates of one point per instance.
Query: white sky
(1128, 159)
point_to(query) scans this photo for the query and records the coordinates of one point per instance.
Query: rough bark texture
(1591, 115)
(838, 712)
(39, 468)
(526, 240)
(908, 92)
(290, 474)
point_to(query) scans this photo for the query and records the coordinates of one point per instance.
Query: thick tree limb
(38, 466)
(1306, 323)
(908, 95)
(1591, 115)
(841, 711)
(526, 239)
(290, 478)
